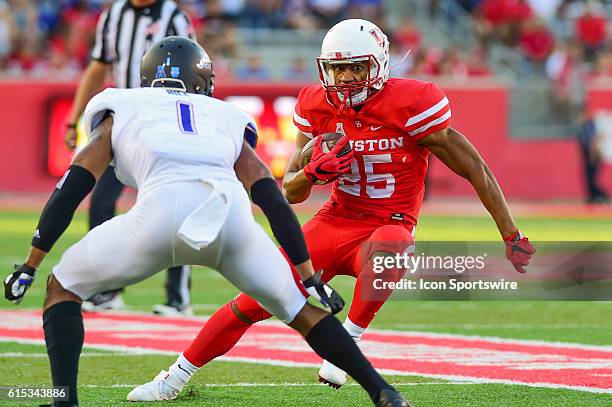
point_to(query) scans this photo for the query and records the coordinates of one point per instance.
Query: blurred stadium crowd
(43, 36)
(563, 40)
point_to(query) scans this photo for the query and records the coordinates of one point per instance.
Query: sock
(367, 301)
(355, 331)
(220, 333)
(183, 369)
(331, 341)
(64, 334)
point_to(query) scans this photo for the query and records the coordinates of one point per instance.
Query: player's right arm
(296, 186)
(80, 178)
(91, 83)
(257, 179)
(322, 168)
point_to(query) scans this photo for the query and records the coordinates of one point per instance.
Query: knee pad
(387, 240)
(248, 310)
(390, 239)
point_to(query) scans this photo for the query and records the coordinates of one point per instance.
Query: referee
(125, 30)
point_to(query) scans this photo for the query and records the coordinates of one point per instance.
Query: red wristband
(515, 236)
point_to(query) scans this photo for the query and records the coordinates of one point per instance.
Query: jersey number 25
(351, 182)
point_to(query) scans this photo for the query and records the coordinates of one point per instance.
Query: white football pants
(133, 246)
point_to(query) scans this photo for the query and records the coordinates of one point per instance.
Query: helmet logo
(175, 71)
(378, 36)
(160, 72)
(203, 64)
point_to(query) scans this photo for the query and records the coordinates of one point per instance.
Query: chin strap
(343, 101)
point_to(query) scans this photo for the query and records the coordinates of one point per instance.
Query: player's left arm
(265, 193)
(454, 150)
(80, 178)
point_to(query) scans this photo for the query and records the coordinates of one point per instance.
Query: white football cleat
(171, 310)
(331, 375)
(104, 302)
(163, 387)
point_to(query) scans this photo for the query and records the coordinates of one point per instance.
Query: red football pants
(345, 246)
(339, 244)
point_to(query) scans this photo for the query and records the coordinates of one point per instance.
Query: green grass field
(106, 379)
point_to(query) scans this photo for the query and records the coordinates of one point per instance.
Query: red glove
(519, 250)
(323, 167)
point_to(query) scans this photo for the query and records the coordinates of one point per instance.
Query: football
(329, 141)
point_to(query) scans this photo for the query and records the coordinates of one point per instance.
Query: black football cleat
(391, 398)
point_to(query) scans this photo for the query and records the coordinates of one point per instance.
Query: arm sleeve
(101, 51)
(300, 117)
(74, 186)
(429, 114)
(283, 222)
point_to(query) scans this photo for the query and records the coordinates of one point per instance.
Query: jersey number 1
(185, 116)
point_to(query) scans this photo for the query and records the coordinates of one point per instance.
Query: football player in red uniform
(393, 125)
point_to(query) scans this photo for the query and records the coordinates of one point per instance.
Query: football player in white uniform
(191, 158)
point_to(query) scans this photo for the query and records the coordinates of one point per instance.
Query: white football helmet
(351, 41)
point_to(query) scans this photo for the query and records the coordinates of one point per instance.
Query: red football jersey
(388, 173)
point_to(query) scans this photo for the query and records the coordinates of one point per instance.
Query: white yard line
(83, 354)
(453, 379)
(279, 384)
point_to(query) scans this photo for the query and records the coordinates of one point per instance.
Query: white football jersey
(163, 135)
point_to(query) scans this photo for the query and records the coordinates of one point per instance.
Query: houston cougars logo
(378, 36)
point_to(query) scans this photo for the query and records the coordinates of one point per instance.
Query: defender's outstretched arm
(77, 182)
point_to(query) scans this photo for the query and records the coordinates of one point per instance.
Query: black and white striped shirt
(125, 32)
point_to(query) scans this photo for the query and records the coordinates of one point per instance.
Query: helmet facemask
(350, 94)
(351, 41)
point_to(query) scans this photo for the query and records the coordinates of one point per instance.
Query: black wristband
(71, 125)
(313, 280)
(285, 225)
(24, 268)
(74, 186)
